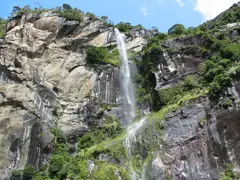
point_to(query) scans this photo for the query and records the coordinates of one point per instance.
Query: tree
(91, 16)
(124, 27)
(15, 10)
(66, 7)
(104, 18)
(56, 163)
(177, 29)
(29, 171)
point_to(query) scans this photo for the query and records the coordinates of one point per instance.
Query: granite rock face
(198, 142)
(181, 57)
(45, 80)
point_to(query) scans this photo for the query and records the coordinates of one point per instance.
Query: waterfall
(128, 103)
(131, 139)
(126, 85)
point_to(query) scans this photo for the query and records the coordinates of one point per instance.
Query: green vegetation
(176, 92)
(125, 26)
(62, 165)
(110, 129)
(219, 70)
(174, 106)
(16, 173)
(202, 122)
(228, 173)
(177, 29)
(27, 173)
(3, 23)
(72, 14)
(27, 9)
(100, 55)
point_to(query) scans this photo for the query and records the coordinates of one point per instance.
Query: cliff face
(46, 82)
(198, 142)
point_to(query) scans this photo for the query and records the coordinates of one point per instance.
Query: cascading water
(127, 88)
(131, 138)
(128, 100)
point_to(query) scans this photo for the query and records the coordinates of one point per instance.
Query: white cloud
(180, 3)
(211, 8)
(144, 11)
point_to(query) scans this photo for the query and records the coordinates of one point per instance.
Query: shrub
(228, 173)
(110, 129)
(40, 176)
(3, 23)
(100, 55)
(17, 172)
(171, 95)
(56, 163)
(96, 54)
(177, 29)
(29, 171)
(209, 64)
(202, 68)
(208, 40)
(202, 122)
(58, 135)
(124, 27)
(224, 62)
(91, 16)
(190, 82)
(143, 95)
(72, 14)
(225, 102)
(215, 89)
(223, 80)
(231, 51)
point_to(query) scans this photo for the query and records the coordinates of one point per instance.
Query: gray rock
(90, 165)
(67, 28)
(194, 152)
(48, 23)
(31, 17)
(104, 157)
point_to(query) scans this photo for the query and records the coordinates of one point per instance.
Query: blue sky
(160, 13)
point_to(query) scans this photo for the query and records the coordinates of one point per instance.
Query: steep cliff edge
(60, 109)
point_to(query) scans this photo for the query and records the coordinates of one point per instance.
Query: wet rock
(183, 59)
(191, 152)
(157, 169)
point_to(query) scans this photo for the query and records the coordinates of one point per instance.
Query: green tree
(56, 163)
(177, 29)
(29, 172)
(124, 27)
(96, 54)
(67, 7)
(91, 16)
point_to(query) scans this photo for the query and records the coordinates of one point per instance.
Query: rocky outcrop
(180, 57)
(198, 142)
(46, 81)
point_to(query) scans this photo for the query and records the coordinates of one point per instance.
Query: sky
(159, 13)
